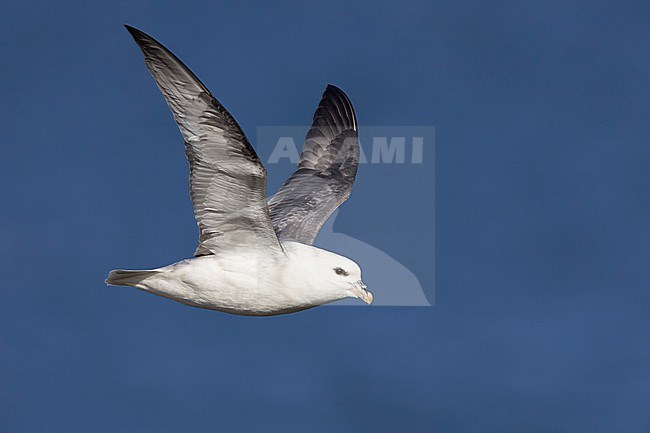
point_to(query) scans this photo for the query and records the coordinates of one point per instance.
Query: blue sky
(541, 316)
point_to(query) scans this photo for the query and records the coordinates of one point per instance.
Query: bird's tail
(121, 277)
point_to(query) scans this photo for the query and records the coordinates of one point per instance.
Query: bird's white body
(251, 282)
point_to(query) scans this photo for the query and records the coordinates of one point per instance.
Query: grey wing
(325, 174)
(227, 179)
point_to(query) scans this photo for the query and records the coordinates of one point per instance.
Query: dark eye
(340, 271)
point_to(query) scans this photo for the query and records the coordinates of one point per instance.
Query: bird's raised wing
(227, 179)
(325, 173)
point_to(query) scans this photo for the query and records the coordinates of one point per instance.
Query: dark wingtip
(333, 92)
(138, 35)
(131, 29)
(332, 88)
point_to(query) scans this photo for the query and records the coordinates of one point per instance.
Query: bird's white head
(331, 272)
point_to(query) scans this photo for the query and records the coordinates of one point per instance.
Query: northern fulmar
(254, 258)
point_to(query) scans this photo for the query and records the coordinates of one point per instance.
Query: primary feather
(325, 173)
(227, 178)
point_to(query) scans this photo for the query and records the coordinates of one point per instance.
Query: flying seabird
(254, 258)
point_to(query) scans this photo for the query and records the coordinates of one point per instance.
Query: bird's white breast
(242, 283)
